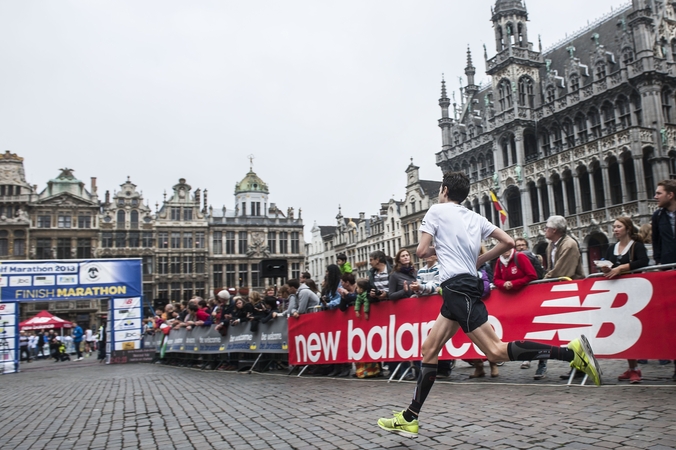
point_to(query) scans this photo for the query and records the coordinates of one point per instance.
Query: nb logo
(611, 304)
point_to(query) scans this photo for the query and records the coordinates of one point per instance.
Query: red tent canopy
(44, 321)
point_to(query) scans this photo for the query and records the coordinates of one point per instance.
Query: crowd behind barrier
(395, 329)
(613, 313)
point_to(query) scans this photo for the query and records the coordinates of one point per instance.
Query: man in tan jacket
(563, 253)
(563, 260)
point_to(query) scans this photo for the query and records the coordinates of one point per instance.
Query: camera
(377, 292)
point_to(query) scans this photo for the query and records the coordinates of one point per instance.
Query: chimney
(198, 194)
(107, 197)
(362, 216)
(205, 200)
(93, 185)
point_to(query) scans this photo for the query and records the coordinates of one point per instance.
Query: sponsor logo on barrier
(3, 281)
(20, 281)
(66, 280)
(43, 280)
(589, 315)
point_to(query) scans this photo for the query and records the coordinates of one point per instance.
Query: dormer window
(574, 83)
(550, 94)
(600, 71)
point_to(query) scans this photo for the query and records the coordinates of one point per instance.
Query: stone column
(550, 195)
(623, 183)
(518, 140)
(641, 189)
(592, 188)
(565, 198)
(578, 191)
(526, 210)
(542, 213)
(606, 184)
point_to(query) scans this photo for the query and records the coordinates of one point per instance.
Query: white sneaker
(525, 365)
(79, 359)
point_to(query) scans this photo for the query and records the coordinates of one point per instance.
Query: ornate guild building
(584, 129)
(186, 248)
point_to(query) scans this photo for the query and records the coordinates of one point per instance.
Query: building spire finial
(251, 158)
(444, 96)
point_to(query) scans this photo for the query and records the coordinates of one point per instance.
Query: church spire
(470, 70)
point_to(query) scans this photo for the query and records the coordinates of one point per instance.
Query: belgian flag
(498, 207)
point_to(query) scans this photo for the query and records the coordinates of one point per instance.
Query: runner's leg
(442, 331)
(495, 350)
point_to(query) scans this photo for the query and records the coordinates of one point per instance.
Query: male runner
(455, 233)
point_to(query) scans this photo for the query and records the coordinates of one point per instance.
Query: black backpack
(539, 270)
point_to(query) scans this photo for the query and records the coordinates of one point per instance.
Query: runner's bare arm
(425, 246)
(505, 242)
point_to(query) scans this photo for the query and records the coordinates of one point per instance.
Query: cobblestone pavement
(85, 405)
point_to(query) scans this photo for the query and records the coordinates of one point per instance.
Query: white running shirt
(457, 233)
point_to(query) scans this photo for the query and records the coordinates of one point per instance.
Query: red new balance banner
(629, 317)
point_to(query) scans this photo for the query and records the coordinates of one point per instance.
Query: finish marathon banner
(69, 279)
(271, 337)
(630, 317)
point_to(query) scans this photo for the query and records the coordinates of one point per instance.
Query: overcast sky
(332, 97)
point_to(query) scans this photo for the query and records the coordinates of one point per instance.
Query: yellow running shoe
(584, 360)
(399, 425)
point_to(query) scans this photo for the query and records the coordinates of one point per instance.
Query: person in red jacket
(513, 271)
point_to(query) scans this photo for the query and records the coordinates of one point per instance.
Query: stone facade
(584, 130)
(186, 247)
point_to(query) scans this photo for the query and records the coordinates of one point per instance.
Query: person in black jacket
(663, 223)
(628, 254)
(664, 227)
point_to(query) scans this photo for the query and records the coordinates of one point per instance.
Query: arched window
(456, 138)
(648, 171)
(585, 188)
(514, 207)
(477, 207)
(558, 195)
(623, 111)
(482, 167)
(490, 163)
(121, 218)
(615, 181)
(544, 142)
(521, 35)
(673, 50)
(629, 176)
(569, 132)
(550, 94)
(558, 142)
(672, 164)
(526, 94)
(488, 208)
(544, 197)
(133, 220)
(473, 169)
(581, 125)
(574, 83)
(508, 145)
(599, 192)
(666, 104)
(570, 191)
(534, 206)
(530, 144)
(638, 110)
(505, 95)
(594, 123)
(608, 111)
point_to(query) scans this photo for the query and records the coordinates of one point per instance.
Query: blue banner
(69, 279)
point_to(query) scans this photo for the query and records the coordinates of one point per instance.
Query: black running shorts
(462, 301)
